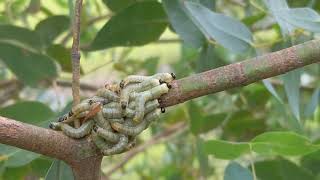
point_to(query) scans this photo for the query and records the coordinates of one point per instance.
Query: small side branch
(75, 56)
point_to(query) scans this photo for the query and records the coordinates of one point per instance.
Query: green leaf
(305, 18)
(250, 20)
(201, 123)
(182, 24)
(234, 171)
(59, 171)
(280, 169)
(227, 31)
(282, 143)
(138, 24)
(116, 5)
(49, 29)
(20, 157)
(208, 59)
(271, 89)
(29, 67)
(225, 150)
(61, 55)
(291, 82)
(313, 103)
(20, 35)
(202, 157)
(312, 162)
(31, 112)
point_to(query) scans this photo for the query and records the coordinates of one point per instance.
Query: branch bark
(242, 73)
(83, 156)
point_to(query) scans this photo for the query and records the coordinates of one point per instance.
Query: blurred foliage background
(267, 130)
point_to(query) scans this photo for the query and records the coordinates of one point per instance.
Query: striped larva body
(69, 119)
(108, 94)
(96, 99)
(115, 113)
(71, 131)
(77, 133)
(135, 130)
(165, 77)
(101, 121)
(145, 85)
(117, 148)
(112, 105)
(99, 141)
(108, 135)
(145, 96)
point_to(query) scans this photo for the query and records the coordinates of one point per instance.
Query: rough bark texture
(242, 73)
(83, 156)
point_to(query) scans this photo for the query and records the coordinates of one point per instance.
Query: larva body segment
(108, 135)
(117, 148)
(116, 120)
(84, 106)
(74, 116)
(134, 79)
(114, 87)
(164, 77)
(145, 85)
(145, 96)
(77, 133)
(112, 113)
(99, 141)
(112, 105)
(96, 99)
(101, 121)
(108, 94)
(135, 130)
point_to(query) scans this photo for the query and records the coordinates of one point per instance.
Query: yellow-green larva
(145, 85)
(101, 121)
(135, 130)
(145, 96)
(165, 77)
(99, 141)
(71, 131)
(117, 148)
(108, 135)
(108, 94)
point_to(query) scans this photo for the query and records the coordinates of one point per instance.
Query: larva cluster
(118, 112)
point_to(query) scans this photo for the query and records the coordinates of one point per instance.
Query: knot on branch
(118, 112)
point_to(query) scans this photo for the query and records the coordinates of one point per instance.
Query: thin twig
(164, 136)
(75, 56)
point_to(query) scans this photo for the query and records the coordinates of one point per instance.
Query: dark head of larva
(159, 101)
(161, 81)
(173, 75)
(123, 106)
(163, 110)
(121, 84)
(60, 119)
(90, 101)
(70, 114)
(169, 85)
(95, 128)
(51, 126)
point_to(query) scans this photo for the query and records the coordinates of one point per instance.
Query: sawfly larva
(112, 105)
(165, 77)
(135, 130)
(108, 94)
(113, 87)
(67, 119)
(116, 120)
(99, 141)
(95, 99)
(145, 85)
(145, 96)
(108, 135)
(77, 133)
(101, 121)
(115, 113)
(117, 148)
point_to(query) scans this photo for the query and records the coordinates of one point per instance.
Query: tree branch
(75, 56)
(45, 141)
(242, 73)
